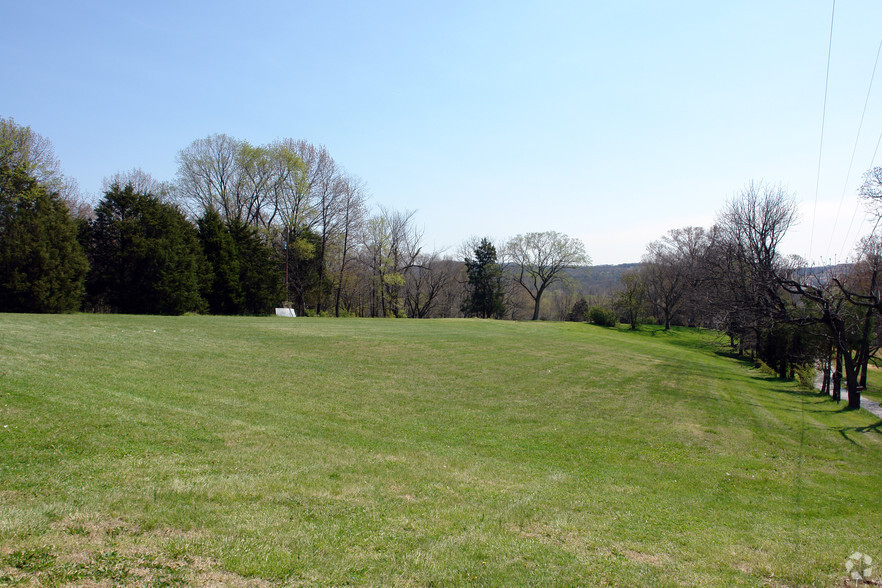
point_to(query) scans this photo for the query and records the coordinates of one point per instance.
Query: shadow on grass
(874, 428)
(717, 343)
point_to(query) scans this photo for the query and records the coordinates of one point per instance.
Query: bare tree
(235, 178)
(842, 321)
(390, 249)
(141, 182)
(427, 281)
(630, 302)
(563, 295)
(352, 204)
(669, 270)
(871, 192)
(540, 259)
(208, 175)
(21, 146)
(742, 269)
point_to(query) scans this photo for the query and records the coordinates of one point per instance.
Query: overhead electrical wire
(851, 162)
(856, 205)
(823, 120)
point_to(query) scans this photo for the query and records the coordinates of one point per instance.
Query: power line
(856, 205)
(851, 162)
(823, 119)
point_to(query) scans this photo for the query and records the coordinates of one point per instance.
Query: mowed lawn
(260, 451)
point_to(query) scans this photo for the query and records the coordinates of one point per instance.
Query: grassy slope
(327, 452)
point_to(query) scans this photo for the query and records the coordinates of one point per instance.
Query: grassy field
(261, 451)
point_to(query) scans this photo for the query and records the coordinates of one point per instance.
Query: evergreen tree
(145, 256)
(222, 289)
(259, 273)
(580, 311)
(42, 266)
(485, 298)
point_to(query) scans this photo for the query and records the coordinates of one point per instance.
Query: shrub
(601, 316)
(580, 310)
(806, 375)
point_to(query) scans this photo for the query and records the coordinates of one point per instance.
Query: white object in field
(286, 312)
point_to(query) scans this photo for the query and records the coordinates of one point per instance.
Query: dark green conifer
(42, 266)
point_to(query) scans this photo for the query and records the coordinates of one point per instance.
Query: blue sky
(612, 122)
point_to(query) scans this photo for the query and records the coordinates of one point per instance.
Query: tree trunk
(826, 364)
(837, 378)
(864, 354)
(536, 309)
(851, 382)
(342, 268)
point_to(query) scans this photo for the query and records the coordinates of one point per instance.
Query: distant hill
(600, 280)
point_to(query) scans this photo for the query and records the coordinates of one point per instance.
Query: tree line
(243, 229)
(733, 278)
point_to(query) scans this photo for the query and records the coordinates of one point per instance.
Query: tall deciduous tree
(540, 259)
(242, 182)
(352, 211)
(142, 183)
(34, 155)
(390, 248)
(485, 287)
(427, 283)
(871, 192)
(631, 299)
(669, 270)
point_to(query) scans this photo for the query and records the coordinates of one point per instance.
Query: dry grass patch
(85, 551)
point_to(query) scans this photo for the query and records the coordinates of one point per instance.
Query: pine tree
(259, 273)
(222, 289)
(485, 285)
(146, 257)
(42, 266)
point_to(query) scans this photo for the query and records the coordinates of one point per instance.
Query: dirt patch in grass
(569, 541)
(79, 551)
(647, 558)
(576, 545)
(8, 495)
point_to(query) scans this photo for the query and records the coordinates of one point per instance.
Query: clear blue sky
(612, 122)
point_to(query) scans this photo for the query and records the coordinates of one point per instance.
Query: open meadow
(260, 451)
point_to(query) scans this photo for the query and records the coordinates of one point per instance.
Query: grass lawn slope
(260, 451)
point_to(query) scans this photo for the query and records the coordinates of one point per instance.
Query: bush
(601, 316)
(806, 375)
(579, 313)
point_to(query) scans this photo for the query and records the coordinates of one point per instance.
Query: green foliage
(805, 375)
(601, 316)
(42, 266)
(31, 560)
(306, 285)
(630, 302)
(23, 149)
(259, 274)
(222, 289)
(145, 256)
(485, 298)
(580, 311)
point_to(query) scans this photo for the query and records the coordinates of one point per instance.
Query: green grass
(252, 451)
